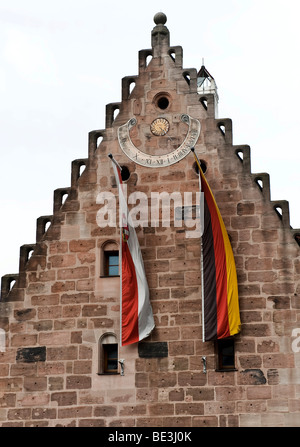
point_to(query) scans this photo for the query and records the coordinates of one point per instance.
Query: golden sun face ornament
(160, 126)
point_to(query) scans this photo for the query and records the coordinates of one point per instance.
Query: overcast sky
(61, 62)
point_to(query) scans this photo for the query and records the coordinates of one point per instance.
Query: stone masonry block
(29, 355)
(153, 349)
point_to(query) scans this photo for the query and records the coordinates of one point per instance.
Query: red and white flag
(136, 312)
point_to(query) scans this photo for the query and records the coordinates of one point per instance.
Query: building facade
(61, 363)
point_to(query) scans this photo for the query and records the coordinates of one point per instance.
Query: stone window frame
(108, 248)
(108, 339)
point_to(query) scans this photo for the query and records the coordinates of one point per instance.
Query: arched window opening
(81, 169)
(172, 55)
(278, 211)
(115, 113)
(47, 225)
(30, 252)
(7, 284)
(148, 59)
(222, 128)
(43, 225)
(109, 266)
(131, 87)
(203, 101)
(64, 198)
(240, 155)
(259, 183)
(187, 77)
(99, 140)
(108, 354)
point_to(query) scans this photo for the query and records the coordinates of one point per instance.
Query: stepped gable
(60, 307)
(189, 82)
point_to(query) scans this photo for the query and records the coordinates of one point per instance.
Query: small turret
(207, 85)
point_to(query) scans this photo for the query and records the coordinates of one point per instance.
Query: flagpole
(202, 292)
(197, 159)
(202, 278)
(120, 255)
(114, 161)
(120, 273)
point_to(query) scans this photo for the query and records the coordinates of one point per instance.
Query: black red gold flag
(220, 302)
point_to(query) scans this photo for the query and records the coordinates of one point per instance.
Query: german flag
(220, 303)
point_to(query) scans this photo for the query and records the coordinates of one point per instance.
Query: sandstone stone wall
(61, 305)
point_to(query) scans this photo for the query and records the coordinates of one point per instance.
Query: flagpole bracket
(121, 361)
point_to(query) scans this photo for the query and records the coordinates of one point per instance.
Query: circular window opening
(125, 173)
(163, 103)
(203, 167)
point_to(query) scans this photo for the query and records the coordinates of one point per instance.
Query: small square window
(111, 263)
(225, 353)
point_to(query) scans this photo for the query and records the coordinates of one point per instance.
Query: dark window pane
(226, 354)
(111, 263)
(228, 360)
(110, 357)
(112, 365)
(112, 351)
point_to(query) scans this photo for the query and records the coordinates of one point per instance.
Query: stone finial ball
(160, 18)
